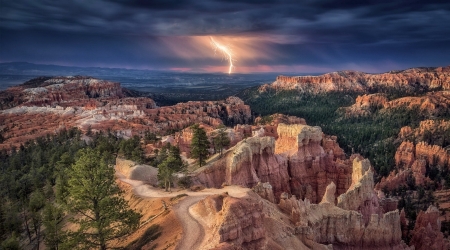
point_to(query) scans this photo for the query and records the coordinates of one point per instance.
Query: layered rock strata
(49, 105)
(411, 161)
(433, 78)
(312, 167)
(249, 162)
(295, 163)
(232, 223)
(433, 103)
(355, 223)
(427, 231)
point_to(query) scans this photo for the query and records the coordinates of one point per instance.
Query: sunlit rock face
(427, 231)
(356, 222)
(232, 223)
(295, 163)
(312, 167)
(358, 81)
(53, 104)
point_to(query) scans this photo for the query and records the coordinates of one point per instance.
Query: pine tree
(52, 215)
(101, 212)
(37, 201)
(199, 144)
(170, 165)
(221, 139)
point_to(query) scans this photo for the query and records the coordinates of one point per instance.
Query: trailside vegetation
(96, 203)
(199, 145)
(46, 181)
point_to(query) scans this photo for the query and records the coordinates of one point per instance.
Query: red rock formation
(326, 223)
(361, 195)
(434, 103)
(427, 231)
(365, 105)
(411, 160)
(405, 156)
(249, 162)
(311, 168)
(234, 223)
(62, 91)
(123, 115)
(359, 81)
(296, 163)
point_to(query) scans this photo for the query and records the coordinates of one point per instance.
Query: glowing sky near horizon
(265, 35)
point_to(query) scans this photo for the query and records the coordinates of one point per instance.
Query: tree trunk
(101, 237)
(26, 225)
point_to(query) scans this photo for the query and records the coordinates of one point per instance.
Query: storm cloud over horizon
(267, 35)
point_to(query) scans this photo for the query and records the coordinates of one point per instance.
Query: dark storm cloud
(331, 34)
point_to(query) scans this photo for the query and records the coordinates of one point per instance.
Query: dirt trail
(193, 231)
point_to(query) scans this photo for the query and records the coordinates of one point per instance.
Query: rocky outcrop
(265, 191)
(62, 91)
(361, 195)
(326, 223)
(427, 231)
(311, 167)
(365, 105)
(233, 223)
(433, 103)
(296, 163)
(410, 79)
(355, 223)
(85, 105)
(249, 162)
(411, 161)
(436, 130)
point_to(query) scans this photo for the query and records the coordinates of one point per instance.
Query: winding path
(193, 231)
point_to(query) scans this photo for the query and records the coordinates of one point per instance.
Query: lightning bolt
(227, 53)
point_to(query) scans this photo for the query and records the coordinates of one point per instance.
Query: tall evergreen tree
(51, 218)
(199, 144)
(101, 212)
(170, 165)
(221, 139)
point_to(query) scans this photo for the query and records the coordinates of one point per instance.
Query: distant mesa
(430, 78)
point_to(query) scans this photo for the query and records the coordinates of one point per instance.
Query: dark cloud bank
(319, 35)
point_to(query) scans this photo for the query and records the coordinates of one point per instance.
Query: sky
(311, 36)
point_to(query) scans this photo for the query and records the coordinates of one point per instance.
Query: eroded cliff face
(89, 103)
(295, 163)
(411, 161)
(358, 81)
(249, 162)
(233, 223)
(312, 167)
(427, 231)
(62, 91)
(433, 103)
(357, 222)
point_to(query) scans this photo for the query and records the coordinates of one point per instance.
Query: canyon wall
(358, 81)
(233, 223)
(434, 103)
(411, 161)
(357, 222)
(49, 105)
(295, 163)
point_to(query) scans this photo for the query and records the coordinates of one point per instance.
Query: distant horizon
(293, 73)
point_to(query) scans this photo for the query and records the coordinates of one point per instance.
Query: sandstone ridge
(432, 78)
